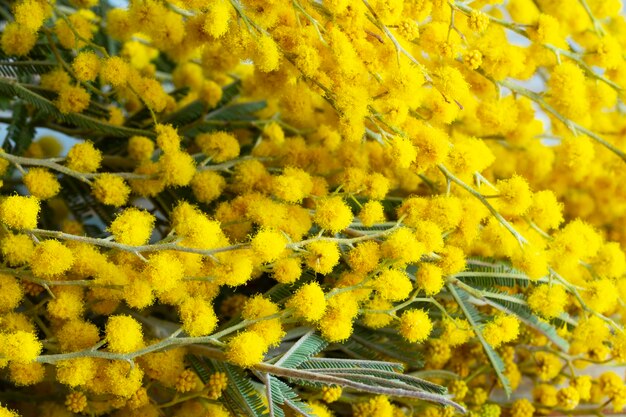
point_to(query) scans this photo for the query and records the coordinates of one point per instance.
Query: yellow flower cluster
(259, 208)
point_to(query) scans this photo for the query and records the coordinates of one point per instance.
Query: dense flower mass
(313, 207)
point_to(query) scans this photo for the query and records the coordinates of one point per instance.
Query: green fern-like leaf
(371, 344)
(395, 379)
(280, 394)
(17, 69)
(487, 273)
(20, 132)
(333, 363)
(199, 368)
(473, 316)
(240, 397)
(308, 345)
(11, 88)
(275, 398)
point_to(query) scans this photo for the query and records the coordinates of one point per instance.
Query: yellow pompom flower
(76, 335)
(86, 66)
(246, 349)
(293, 185)
(177, 168)
(42, 183)
(123, 334)
(610, 262)
(568, 398)
(403, 247)
(393, 285)
(322, 256)
(429, 278)
(10, 293)
(210, 93)
(308, 302)
(268, 244)
(372, 213)
(532, 261)
(19, 212)
(220, 146)
(164, 271)
(83, 157)
(72, 99)
(67, 305)
(138, 294)
(111, 189)
(17, 248)
(364, 257)
(140, 148)
(207, 186)
(270, 330)
(274, 133)
(30, 14)
(51, 258)
(548, 365)
(522, 408)
(5, 412)
(76, 372)
(415, 325)
(118, 24)
(197, 229)
(336, 324)
(167, 138)
(234, 268)
(456, 331)
(258, 307)
(55, 79)
(123, 378)
(332, 214)
(20, 346)
(430, 234)
(26, 374)
(380, 318)
(287, 270)
(403, 152)
(198, 316)
(502, 329)
(132, 227)
(582, 384)
(114, 71)
(17, 39)
(515, 196)
(266, 54)
(548, 300)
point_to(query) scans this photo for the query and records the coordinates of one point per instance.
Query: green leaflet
(474, 318)
(16, 69)
(323, 363)
(367, 375)
(20, 133)
(9, 87)
(199, 368)
(279, 394)
(375, 344)
(308, 345)
(487, 273)
(240, 397)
